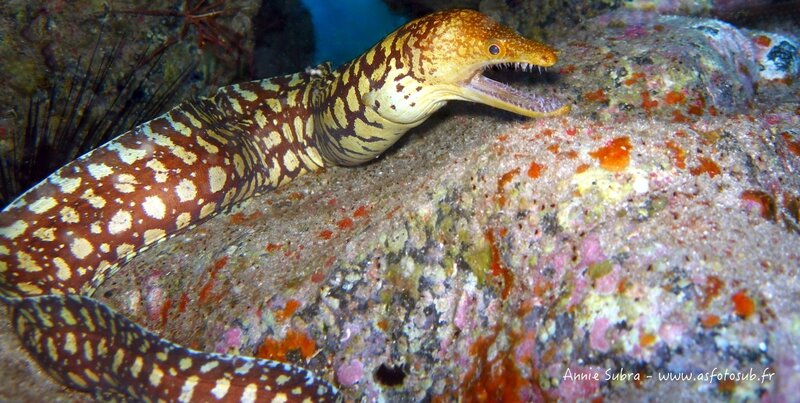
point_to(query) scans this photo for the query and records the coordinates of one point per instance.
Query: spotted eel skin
(64, 236)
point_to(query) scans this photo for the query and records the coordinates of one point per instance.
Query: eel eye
(494, 49)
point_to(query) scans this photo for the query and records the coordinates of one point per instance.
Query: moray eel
(64, 236)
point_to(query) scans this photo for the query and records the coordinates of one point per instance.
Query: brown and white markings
(75, 335)
(64, 236)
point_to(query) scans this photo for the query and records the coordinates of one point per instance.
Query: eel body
(64, 236)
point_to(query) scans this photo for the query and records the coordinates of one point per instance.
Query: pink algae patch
(350, 373)
(597, 336)
(231, 338)
(579, 383)
(591, 251)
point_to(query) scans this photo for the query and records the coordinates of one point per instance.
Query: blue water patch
(343, 29)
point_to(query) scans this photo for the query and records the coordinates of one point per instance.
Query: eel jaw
(484, 90)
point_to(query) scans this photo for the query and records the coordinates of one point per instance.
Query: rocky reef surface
(645, 246)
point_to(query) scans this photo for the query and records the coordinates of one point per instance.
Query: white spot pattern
(154, 207)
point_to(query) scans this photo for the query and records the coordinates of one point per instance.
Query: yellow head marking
(446, 53)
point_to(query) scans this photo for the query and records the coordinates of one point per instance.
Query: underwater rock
(674, 68)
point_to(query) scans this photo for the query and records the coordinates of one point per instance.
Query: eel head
(456, 47)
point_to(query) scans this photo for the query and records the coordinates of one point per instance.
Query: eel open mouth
(487, 91)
